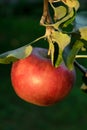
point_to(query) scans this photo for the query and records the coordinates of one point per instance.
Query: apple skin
(37, 81)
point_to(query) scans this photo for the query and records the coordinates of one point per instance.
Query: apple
(37, 81)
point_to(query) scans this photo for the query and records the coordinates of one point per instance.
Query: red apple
(37, 81)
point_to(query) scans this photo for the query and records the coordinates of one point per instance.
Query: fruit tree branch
(46, 14)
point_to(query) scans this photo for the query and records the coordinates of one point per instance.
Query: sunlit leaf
(71, 3)
(83, 33)
(19, 53)
(84, 88)
(62, 39)
(70, 20)
(51, 50)
(59, 12)
(69, 16)
(16, 54)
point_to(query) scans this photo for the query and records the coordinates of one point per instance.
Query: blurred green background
(19, 25)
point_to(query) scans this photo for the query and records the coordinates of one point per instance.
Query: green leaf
(70, 20)
(16, 54)
(83, 33)
(70, 16)
(59, 58)
(19, 53)
(73, 52)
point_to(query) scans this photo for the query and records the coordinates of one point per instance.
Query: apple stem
(80, 67)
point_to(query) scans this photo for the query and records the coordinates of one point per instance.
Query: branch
(46, 15)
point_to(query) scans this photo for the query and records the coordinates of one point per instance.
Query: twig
(46, 14)
(81, 56)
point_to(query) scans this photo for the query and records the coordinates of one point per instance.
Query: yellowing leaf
(83, 33)
(51, 50)
(59, 12)
(62, 39)
(69, 17)
(71, 3)
(84, 88)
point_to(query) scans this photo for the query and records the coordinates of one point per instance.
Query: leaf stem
(36, 40)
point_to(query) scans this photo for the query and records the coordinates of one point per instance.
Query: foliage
(57, 32)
